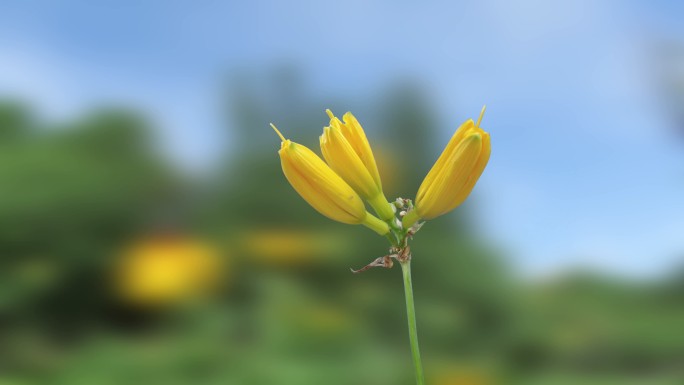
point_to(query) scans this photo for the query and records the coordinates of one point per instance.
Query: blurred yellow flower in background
(290, 247)
(325, 320)
(464, 377)
(166, 269)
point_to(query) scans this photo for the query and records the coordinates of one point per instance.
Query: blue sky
(586, 169)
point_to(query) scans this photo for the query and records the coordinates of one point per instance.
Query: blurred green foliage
(73, 195)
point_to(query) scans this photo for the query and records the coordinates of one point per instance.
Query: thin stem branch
(411, 312)
(392, 238)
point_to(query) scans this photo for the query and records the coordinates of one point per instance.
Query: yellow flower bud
(322, 188)
(454, 175)
(347, 151)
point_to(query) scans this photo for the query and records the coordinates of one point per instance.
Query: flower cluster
(337, 186)
(349, 175)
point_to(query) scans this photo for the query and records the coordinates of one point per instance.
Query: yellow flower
(454, 175)
(163, 270)
(347, 151)
(286, 247)
(322, 188)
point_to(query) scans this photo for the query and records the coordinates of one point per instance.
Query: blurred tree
(15, 122)
(70, 197)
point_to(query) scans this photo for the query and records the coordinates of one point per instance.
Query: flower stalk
(411, 315)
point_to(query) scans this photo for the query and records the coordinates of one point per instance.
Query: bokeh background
(148, 236)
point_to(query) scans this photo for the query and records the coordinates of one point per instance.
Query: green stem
(392, 238)
(382, 207)
(411, 312)
(375, 224)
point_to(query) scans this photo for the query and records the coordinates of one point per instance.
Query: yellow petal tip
(330, 114)
(282, 138)
(479, 120)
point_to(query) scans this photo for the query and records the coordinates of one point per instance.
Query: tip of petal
(479, 120)
(348, 117)
(286, 146)
(474, 135)
(468, 125)
(330, 114)
(282, 138)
